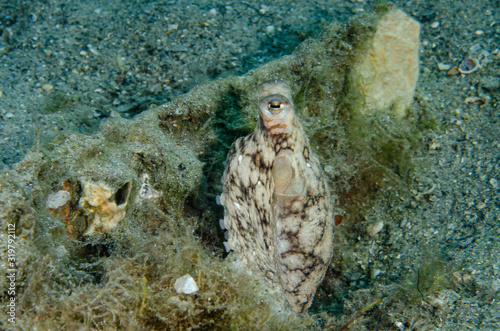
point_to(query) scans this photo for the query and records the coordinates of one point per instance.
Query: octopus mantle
(277, 203)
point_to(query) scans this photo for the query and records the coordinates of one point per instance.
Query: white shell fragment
(373, 229)
(57, 199)
(443, 66)
(185, 285)
(278, 211)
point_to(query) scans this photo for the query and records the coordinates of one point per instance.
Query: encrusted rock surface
(388, 75)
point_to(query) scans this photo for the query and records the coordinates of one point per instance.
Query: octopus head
(276, 107)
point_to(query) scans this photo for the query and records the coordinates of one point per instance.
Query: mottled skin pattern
(277, 204)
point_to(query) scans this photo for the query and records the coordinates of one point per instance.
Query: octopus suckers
(221, 224)
(226, 246)
(284, 224)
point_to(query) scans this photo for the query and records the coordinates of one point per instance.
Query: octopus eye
(276, 106)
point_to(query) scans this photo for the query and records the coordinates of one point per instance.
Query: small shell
(186, 284)
(469, 65)
(373, 229)
(57, 199)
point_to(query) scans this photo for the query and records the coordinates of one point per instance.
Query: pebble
(47, 87)
(264, 9)
(376, 272)
(494, 183)
(177, 48)
(93, 50)
(442, 66)
(185, 285)
(453, 71)
(373, 229)
(435, 25)
(400, 326)
(404, 222)
(270, 28)
(490, 83)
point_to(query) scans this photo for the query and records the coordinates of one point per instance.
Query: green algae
(57, 102)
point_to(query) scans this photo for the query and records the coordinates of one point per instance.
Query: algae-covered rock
(389, 72)
(100, 178)
(104, 173)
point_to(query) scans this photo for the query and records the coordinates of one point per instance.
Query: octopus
(277, 206)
